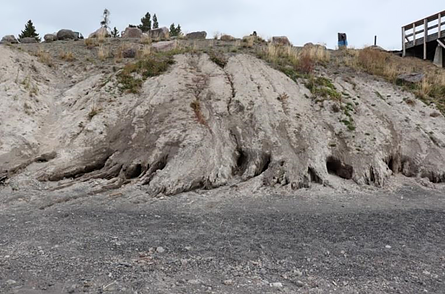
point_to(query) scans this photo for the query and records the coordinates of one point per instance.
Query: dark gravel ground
(196, 243)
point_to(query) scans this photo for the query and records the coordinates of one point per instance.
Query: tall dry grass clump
(146, 40)
(318, 53)
(103, 53)
(91, 43)
(44, 57)
(145, 52)
(292, 60)
(378, 62)
(431, 89)
(66, 55)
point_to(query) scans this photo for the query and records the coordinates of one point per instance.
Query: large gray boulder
(164, 46)
(196, 35)
(28, 40)
(50, 38)
(100, 33)
(281, 40)
(132, 32)
(129, 53)
(66, 35)
(160, 34)
(9, 39)
(410, 78)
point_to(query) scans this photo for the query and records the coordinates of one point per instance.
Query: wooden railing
(423, 31)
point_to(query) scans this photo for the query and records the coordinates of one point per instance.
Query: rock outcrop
(282, 40)
(9, 39)
(196, 35)
(50, 38)
(100, 33)
(163, 46)
(226, 38)
(132, 32)
(159, 34)
(66, 35)
(28, 40)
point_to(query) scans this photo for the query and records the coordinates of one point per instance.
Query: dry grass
(103, 53)
(146, 40)
(196, 106)
(93, 112)
(145, 52)
(389, 66)
(101, 38)
(91, 43)
(44, 57)
(318, 53)
(67, 56)
(301, 60)
(248, 41)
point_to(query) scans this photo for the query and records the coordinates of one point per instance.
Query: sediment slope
(203, 126)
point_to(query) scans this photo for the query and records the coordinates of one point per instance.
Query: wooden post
(440, 26)
(403, 42)
(375, 40)
(425, 36)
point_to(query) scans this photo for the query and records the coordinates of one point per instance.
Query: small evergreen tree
(155, 22)
(145, 25)
(29, 32)
(105, 19)
(175, 31)
(172, 30)
(115, 33)
(178, 30)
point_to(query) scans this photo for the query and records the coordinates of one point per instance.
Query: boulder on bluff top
(100, 33)
(50, 38)
(28, 40)
(160, 34)
(132, 32)
(9, 39)
(196, 36)
(227, 38)
(67, 35)
(282, 40)
(164, 46)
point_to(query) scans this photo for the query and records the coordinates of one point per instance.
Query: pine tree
(29, 32)
(155, 22)
(178, 30)
(172, 30)
(106, 19)
(145, 25)
(115, 33)
(175, 31)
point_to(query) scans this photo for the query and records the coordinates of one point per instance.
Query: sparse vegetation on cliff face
(431, 89)
(133, 75)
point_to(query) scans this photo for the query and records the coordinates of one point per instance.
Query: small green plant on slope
(133, 75)
(323, 87)
(218, 58)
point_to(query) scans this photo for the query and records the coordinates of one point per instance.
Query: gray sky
(316, 21)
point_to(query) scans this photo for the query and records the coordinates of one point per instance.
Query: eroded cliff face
(203, 126)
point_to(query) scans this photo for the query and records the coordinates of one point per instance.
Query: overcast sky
(316, 21)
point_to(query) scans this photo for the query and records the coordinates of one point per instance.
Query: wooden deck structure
(421, 38)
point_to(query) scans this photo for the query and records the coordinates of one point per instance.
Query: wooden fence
(423, 31)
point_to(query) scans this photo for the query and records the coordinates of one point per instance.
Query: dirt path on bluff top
(226, 241)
